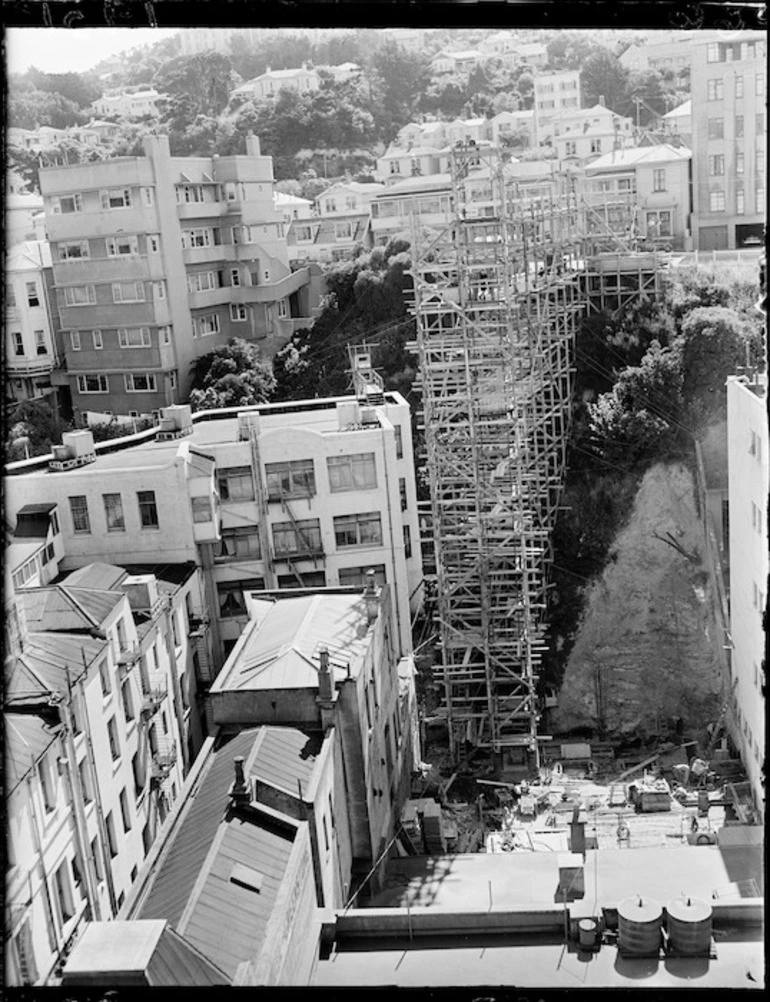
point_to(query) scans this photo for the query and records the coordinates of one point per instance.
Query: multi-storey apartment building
(729, 140)
(158, 260)
(340, 224)
(307, 494)
(555, 93)
(99, 725)
(656, 180)
(31, 321)
(748, 463)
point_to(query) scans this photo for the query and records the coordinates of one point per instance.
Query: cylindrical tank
(689, 926)
(639, 924)
(587, 932)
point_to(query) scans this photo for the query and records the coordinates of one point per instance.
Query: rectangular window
(125, 811)
(358, 577)
(40, 345)
(739, 86)
(134, 337)
(231, 600)
(402, 492)
(112, 736)
(740, 202)
(93, 384)
(760, 121)
(65, 204)
(407, 542)
(240, 544)
(112, 840)
(659, 180)
(596, 145)
(717, 165)
(203, 326)
(283, 309)
(759, 84)
(128, 292)
(148, 196)
(18, 343)
(358, 530)
(201, 281)
(47, 787)
(164, 333)
(140, 382)
(238, 312)
(201, 509)
(79, 509)
(85, 781)
(128, 701)
(235, 276)
(80, 295)
(343, 231)
(74, 250)
(116, 198)
(716, 201)
(196, 238)
(304, 234)
(75, 340)
(148, 510)
(760, 199)
(716, 128)
(399, 441)
(356, 472)
(739, 126)
(739, 163)
(153, 243)
(104, 678)
(303, 536)
(715, 89)
(293, 479)
(64, 893)
(113, 512)
(123, 246)
(235, 484)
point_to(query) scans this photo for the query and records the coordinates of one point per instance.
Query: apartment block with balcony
(748, 464)
(97, 746)
(554, 94)
(31, 321)
(158, 260)
(303, 495)
(729, 140)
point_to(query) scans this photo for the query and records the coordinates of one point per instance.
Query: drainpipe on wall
(101, 824)
(38, 846)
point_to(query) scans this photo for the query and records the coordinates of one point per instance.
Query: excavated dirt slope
(648, 646)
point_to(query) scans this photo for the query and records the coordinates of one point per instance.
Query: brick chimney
(327, 696)
(239, 792)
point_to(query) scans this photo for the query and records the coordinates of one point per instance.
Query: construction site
(498, 297)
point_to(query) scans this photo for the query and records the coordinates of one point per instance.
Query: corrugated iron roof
(64, 608)
(96, 575)
(26, 740)
(185, 854)
(638, 155)
(43, 664)
(286, 757)
(282, 649)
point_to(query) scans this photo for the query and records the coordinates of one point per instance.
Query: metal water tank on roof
(689, 926)
(639, 926)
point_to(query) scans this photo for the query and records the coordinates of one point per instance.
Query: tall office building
(729, 140)
(158, 260)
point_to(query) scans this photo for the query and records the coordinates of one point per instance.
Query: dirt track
(648, 647)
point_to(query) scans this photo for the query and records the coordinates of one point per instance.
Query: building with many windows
(656, 181)
(748, 462)
(729, 140)
(584, 134)
(339, 227)
(554, 94)
(31, 321)
(129, 104)
(160, 259)
(301, 495)
(302, 80)
(101, 725)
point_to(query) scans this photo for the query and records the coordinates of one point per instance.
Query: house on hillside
(396, 163)
(303, 80)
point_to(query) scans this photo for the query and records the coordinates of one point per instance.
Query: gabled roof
(281, 646)
(96, 575)
(45, 663)
(681, 111)
(286, 758)
(411, 185)
(639, 155)
(27, 738)
(192, 887)
(396, 152)
(64, 607)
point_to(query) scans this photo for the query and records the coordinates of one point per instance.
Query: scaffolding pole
(497, 295)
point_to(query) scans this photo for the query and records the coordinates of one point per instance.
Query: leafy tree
(638, 418)
(569, 50)
(26, 163)
(27, 109)
(714, 342)
(35, 420)
(194, 85)
(603, 77)
(231, 375)
(649, 86)
(366, 301)
(525, 88)
(399, 78)
(80, 88)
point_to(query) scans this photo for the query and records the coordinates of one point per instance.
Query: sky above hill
(73, 50)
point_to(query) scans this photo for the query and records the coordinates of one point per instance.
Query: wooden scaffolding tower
(497, 295)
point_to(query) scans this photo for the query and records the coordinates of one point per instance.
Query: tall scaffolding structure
(497, 295)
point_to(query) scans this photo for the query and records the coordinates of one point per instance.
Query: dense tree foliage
(80, 88)
(28, 109)
(232, 375)
(398, 81)
(195, 86)
(366, 302)
(604, 79)
(35, 421)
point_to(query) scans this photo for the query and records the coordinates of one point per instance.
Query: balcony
(128, 655)
(198, 627)
(17, 365)
(202, 210)
(153, 694)
(163, 760)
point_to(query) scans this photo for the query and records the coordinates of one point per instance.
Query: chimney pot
(325, 684)
(239, 791)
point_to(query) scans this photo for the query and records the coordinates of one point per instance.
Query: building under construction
(498, 295)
